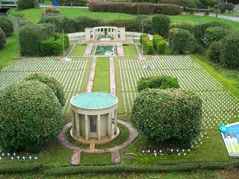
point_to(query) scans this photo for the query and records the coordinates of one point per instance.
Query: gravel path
(235, 19)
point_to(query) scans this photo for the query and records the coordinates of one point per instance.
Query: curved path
(115, 151)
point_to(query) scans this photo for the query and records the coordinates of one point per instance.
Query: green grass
(136, 41)
(10, 50)
(232, 14)
(79, 50)
(95, 159)
(102, 75)
(35, 14)
(130, 50)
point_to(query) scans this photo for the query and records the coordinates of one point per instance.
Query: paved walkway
(235, 19)
(112, 77)
(115, 151)
(91, 76)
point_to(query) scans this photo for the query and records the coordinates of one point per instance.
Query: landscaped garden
(175, 85)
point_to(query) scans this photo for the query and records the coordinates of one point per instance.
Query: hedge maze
(219, 106)
(69, 74)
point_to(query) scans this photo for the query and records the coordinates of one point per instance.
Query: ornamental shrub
(6, 25)
(161, 82)
(181, 41)
(160, 25)
(83, 22)
(30, 37)
(168, 9)
(51, 10)
(214, 51)
(230, 50)
(2, 39)
(183, 3)
(199, 30)
(183, 25)
(159, 44)
(72, 2)
(147, 44)
(25, 4)
(167, 116)
(223, 7)
(215, 34)
(142, 22)
(56, 86)
(54, 45)
(60, 22)
(30, 114)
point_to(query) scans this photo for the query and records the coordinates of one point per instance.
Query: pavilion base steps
(92, 145)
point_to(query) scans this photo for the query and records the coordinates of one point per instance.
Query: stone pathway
(137, 48)
(115, 151)
(235, 19)
(120, 49)
(88, 49)
(112, 77)
(91, 76)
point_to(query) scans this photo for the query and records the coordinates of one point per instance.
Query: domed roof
(94, 100)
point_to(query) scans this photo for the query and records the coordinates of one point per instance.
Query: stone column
(110, 125)
(77, 123)
(73, 122)
(115, 119)
(86, 128)
(98, 127)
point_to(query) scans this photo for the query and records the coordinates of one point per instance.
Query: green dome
(95, 100)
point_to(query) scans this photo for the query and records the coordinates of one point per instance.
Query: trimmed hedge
(223, 7)
(184, 3)
(214, 51)
(171, 117)
(30, 37)
(160, 25)
(19, 168)
(215, 34)
(230, 50)
(51, 10)
(159, 44)
(124, 168)
(147, 44)
(168, 9)
(25, 4)
(6, 25)
(30, 114)
(183, 25)
(140, 22)
(181, 41)
(60, 22)
(83, 22)
(199, 30)
(54, 45)
(72, 2)
(2, 39)
(160, 82)
(51, 82)
(123, 7)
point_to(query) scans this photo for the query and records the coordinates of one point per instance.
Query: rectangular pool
(105, 50)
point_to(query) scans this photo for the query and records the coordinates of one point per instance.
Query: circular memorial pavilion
(94, 117)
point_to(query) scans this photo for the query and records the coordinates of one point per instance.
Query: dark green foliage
(223, 7)
(142, 22)
(30, 37)
(181, 41)
(6, 25)
(30, 114)
(51, 82)
(54, 45)
(171, 117)
(184, 3)
(183, 25)
(123, 7)
(51, 10)
(60, 22)
(2, 39)
(72, 2)
(19, 168)
(215, 34)
(199, 30)
(147, 44)
(214, 51)
(168, 9)
(161, 82)
(160, 25)
(83, 22)
(230, 50)
(159, 43)
(25, 4)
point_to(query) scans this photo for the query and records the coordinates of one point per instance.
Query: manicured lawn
(232, 14)
(36, 14)
(102, 75)
(95, 159)
(10, 50)
(130, 50)
(79, 50)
